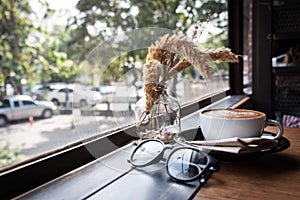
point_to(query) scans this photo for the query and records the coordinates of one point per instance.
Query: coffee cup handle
(279, 126)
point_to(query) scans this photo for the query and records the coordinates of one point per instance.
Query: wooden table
(273, 176)
(268, 176)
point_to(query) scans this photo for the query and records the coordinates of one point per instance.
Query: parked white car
(74, 95)
(22, 107)
(120, 93)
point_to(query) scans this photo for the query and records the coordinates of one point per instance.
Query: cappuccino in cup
(227, 123)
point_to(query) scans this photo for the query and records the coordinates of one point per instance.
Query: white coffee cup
(219, 124)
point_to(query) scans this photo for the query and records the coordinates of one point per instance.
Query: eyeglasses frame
(212, 163)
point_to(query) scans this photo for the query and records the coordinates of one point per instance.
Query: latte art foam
(234, 113)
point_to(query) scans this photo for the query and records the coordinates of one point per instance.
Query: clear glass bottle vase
(162, 121)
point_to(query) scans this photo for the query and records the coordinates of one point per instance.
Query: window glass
(17, 104)
(28, 103)
(247, 42)
(104, 59)
(4, 104)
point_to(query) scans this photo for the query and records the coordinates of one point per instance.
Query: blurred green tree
(30, 52)
(27, 50)
(15, 28)
(100, 20)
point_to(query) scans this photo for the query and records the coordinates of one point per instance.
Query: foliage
(59, 67)
(27, 50)
(15, 28)
(100, 20)
(8, 155)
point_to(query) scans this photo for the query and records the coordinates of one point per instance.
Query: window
(78, 135)
(17, 104)
(247, 51)
(28, 103)
(64, 90)
(120, 78)
(4, 104)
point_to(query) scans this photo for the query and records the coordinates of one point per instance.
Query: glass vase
(162, 121)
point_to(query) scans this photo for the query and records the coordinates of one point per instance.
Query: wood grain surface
(271, 176)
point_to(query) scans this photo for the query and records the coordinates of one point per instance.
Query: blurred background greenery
(33, 52)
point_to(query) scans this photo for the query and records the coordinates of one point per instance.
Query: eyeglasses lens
(186, 164)
(147, 152)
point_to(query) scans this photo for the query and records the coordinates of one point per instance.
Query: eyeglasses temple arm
(213, 163)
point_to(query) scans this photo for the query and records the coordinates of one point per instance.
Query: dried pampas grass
(186, 49)
(159, 54)
(223, 55)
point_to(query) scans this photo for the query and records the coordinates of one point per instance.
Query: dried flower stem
(182, 64)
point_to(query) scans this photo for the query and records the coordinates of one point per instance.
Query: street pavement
(44, 135)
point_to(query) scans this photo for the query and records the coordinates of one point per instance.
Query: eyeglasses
(184, 163)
